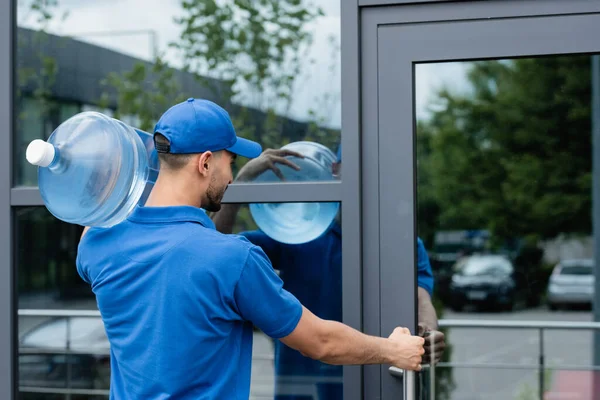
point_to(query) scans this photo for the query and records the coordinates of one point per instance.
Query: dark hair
(171, 161)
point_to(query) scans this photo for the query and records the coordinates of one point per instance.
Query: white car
(571, 283)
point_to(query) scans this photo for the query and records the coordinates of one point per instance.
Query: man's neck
(168, 192)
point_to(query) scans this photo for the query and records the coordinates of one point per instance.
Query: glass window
(273, 65)
(305, 248)
(36, 120)
(302, 240)
(46, 249)
(505, 180)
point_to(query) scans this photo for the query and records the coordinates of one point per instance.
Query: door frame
(392, 40)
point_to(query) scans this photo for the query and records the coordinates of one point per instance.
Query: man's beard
(214, 196)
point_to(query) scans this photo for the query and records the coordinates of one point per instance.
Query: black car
(483, 280)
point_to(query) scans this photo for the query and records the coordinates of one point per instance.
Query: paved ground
(485, 346)
(562, 349)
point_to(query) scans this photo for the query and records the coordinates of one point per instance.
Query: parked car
(571, 283)
(483, 280)
(42, 362)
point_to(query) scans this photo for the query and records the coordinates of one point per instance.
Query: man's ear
(205, 163)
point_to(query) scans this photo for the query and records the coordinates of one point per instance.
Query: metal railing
(539, 326)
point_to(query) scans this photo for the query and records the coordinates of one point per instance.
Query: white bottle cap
(40, 153)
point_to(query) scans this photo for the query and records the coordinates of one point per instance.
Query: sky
(91, 16)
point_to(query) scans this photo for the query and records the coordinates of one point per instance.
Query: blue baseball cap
(196, 126)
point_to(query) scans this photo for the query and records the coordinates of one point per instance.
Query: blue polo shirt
(313, 273)
(179, 300)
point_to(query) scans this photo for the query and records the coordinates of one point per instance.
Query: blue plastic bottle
(94, 170)
(297, 223)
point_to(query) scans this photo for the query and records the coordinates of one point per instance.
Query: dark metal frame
(7, 300)
(393, 39)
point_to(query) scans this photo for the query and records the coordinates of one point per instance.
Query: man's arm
(224, 219)
(335, 343)
(427, 313)
(259, 298)
(428, 320)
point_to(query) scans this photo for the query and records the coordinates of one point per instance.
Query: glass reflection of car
(571, 283)
(483, 280)
(42, 362)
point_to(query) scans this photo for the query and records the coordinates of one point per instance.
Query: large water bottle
(94, 170)
(297, 223)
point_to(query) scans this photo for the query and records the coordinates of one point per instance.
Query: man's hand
(268, 160)
(435, 344)
(408, 350)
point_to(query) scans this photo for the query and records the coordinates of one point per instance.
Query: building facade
(453, 116)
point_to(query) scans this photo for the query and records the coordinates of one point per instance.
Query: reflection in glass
(504, 186)
(312, 272)
(46, 249)
(297, 223)
(277, 74)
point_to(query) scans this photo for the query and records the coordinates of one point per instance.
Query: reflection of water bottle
(296, 223)
(94, 170)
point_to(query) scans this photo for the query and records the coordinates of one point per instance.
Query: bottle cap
(40, 153)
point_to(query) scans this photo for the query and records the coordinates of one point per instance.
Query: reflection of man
(313, 273)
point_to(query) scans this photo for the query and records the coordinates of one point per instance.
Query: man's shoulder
(199, 238)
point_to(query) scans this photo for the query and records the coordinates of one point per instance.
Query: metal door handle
(408, 378)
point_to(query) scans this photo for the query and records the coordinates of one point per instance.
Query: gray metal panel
(397, 198)
(283, 192)
(7, 311)
(370, 198)
(498, 38)
(25, 196)
(351, 182)
(237, 193)
(450, 10)
(363, 3)
(399, 46)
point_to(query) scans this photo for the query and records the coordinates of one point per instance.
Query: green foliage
(144, 93)
(41, 80)
(254, 46)
(248, 55)
(514, 155)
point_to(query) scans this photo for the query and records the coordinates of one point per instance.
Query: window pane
(505, 183)
(273, 65)
(311, 271)
(46, 249)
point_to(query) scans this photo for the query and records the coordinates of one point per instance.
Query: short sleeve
(261, 299)
(424, 273)
(268, 245)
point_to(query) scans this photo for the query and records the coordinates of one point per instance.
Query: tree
(514, 155)
(248, 55)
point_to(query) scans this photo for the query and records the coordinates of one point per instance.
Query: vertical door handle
(408, 381)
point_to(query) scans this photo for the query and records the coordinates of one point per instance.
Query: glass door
(484, 120)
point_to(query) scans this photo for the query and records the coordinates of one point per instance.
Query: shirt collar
(171, 214)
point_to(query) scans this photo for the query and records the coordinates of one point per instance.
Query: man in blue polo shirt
(179, 299)
(313, 273)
